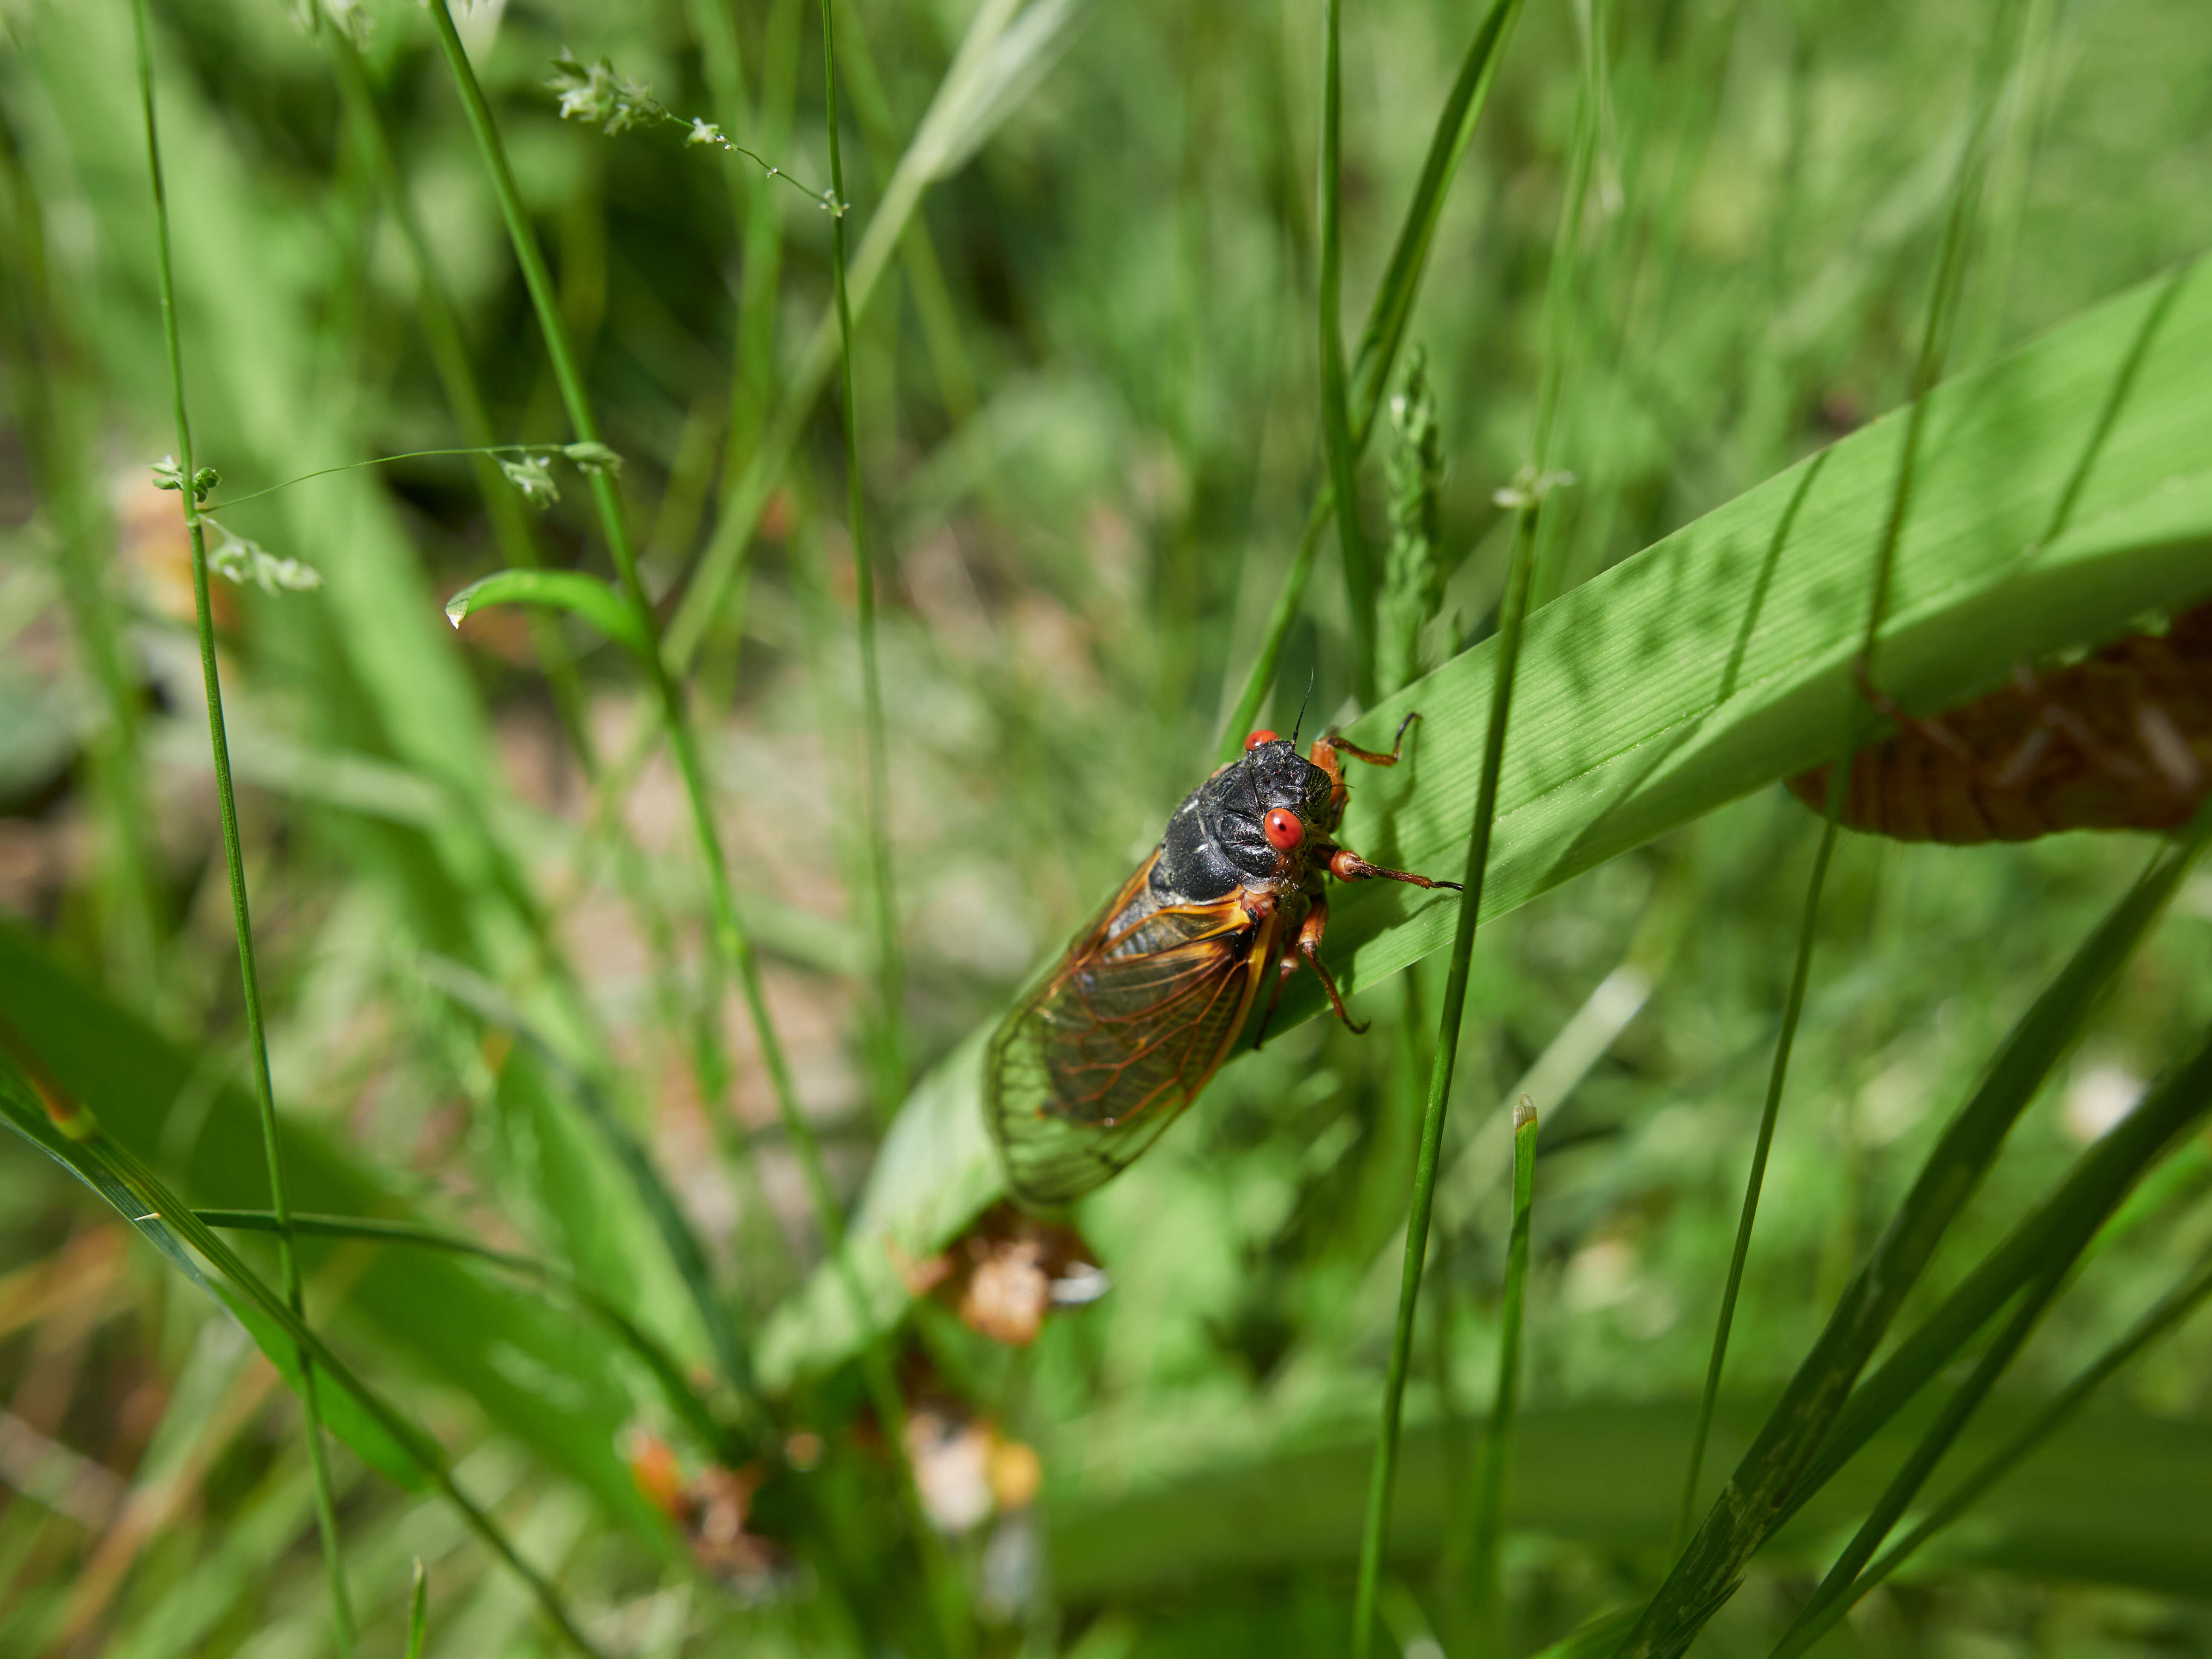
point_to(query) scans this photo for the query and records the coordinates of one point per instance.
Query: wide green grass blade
(1718, 660)
(2117, 1498)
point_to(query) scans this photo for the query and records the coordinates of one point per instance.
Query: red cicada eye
(1263, 735)
(1283, 829)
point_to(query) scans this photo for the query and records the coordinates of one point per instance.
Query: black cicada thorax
(1215, 842)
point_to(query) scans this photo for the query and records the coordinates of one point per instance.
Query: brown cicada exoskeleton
(2119, 740)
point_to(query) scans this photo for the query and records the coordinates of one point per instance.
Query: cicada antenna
(1300, 724)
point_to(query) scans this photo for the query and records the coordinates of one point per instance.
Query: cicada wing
(1109, 1048)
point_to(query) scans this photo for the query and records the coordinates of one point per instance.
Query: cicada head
(1271, 809)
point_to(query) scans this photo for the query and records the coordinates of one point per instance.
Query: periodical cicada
(2120, 740)
(1109, 1047)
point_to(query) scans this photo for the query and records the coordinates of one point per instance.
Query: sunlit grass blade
(189, 492)
(1780, 1467)
(1513, 614)
(1488, 1587)
(1753, 683)
(67, 1130)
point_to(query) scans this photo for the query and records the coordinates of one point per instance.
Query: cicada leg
(1309, 933)
(1347, 865)
(1327, 747)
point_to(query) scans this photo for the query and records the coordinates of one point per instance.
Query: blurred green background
(1085, 391)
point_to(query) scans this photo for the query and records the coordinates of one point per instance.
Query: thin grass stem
(233, 855)
(1793, 1008)
(1335, 418)
(1513, 613)
(1497, 1430)
(889, 1043)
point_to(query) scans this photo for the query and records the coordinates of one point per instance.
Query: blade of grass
(2171, 1309)
(1793, 1009)
(889, 1043)
(1780, 1468)
(2040, 1257)
(1335, 420)
(1489, 1590)
(67, 1130)
(53, 429)
(449, 355)
(189, 494)
(684, 1400)
(558, 590)
(1832, 1594)
(685, 1251)
(1379, 341)
(733, 945)
(1922, 1356)
(733, 942)
(998, 59)
(418, 1611)
(1512, 614)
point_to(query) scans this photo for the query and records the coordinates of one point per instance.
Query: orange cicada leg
(1329, 746)
(1309, 946)
(1347, 865)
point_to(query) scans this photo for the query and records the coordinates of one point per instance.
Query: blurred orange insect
(2119, 740)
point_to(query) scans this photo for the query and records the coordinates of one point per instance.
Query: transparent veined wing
(1110, 1045)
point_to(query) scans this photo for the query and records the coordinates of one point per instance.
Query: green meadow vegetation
(587, 593)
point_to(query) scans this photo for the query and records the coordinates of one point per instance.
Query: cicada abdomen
(2120, 740)
(1111, 1043)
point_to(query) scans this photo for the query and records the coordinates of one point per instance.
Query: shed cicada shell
(1108, 1047)
(2120, 740)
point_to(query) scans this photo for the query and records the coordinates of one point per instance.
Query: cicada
(2119, 740)
(1108, 1047)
